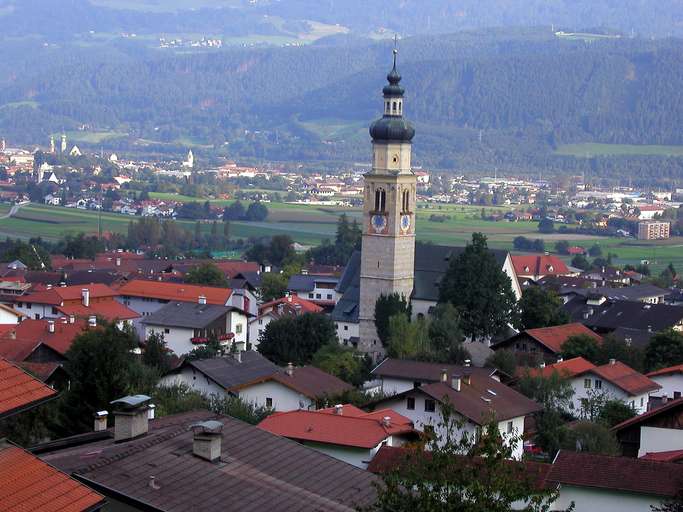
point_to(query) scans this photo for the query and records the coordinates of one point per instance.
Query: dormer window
(526, 269)
(550, 268)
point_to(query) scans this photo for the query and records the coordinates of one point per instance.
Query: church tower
(388, 249)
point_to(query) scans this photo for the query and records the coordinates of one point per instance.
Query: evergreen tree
(386, 307)
(479, 289)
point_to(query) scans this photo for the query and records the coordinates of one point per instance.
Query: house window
(430, 405)
(318, 296)
(260, 322)
(587, 383)
(167, 331)
(380, 200)
(417, 384)
(677, 395)
(37, 316)
(410, 403)
(238, 328)
(329, 296)
(346, 327)
(598, 384)
(28, 305)
(509, 429)
(269, 402)
(54, 311)
(633, 404)
(310, 295)
(642, 401)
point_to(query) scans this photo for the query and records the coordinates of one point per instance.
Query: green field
(310, 224)
(95, 137)
(589, 149)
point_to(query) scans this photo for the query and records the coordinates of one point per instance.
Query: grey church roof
(190, 315)
(431, 263)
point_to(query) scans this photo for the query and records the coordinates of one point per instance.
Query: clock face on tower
(379, 223)
(405, 222)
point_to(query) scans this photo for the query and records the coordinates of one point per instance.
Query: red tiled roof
(362, 431)
(554, 337)
(568, 368)
(666, 371)
(28, 483)
(174, 291)
(59, 294)
(389, 458)
(642, 418)
(616, 473)
(43, 371)
(541, 265)
(293, 300)
(669, 456)
(109, 310)
(626, 378)
(19, 390)
(37, 331)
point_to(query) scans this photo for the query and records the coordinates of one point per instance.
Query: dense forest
(498, 97)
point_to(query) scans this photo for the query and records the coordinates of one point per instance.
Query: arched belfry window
(380, 200)
(406, 201)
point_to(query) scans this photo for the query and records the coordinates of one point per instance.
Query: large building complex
(653, 230)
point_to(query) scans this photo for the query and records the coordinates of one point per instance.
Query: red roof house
(28, 483)
(174, 292)
(536, 267)
(19, 391)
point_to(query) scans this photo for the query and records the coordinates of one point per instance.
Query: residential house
(28, 483)
(19, 391)
(475, 396)
(319, 289)
(608, 276)
(148, 297)
(671, 381)
(254, 379)
(91, 301)
(10, 316)
(291, 305)
(186, 325)
(646, 293)
(658, 430)
(535, 267)
(612, 484)
(204, 461)
(613, 381)
(344, 432)
(543, 344)
(605, 316)
(345, 313)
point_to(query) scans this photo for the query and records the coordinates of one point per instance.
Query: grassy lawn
(92, 137)
(309, 225)
(590, 149)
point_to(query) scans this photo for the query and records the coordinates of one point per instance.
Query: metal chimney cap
(131, 402)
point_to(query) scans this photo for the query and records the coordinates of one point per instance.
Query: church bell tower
(388, 248)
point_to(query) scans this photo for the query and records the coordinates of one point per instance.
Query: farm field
(309, 225)
(590, 149)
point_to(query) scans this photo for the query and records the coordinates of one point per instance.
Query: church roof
(431, 263)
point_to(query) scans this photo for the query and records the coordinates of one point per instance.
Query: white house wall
(284, 398)
(194, 380)
(346, 331)
(639, 402)
(671, 384)
(655, 439)
(598, 500)
(177, 339)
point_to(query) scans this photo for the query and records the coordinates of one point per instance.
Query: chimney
(202, 300)
(85, 297)
(559, 359)
(238, 356)
(131, 420)
(150, 411)
(92, 321)
(50, 326)
(649, 328)
(542, 365)
(444, 375)
(64, 320)
(455, 382)
(290, 369)
(207, 440)
(339, 409)
(468, 363)
(289, 298)
(48, 287)
(386, 421)
(118, 262)
(612, 362)
(100, 421)
(467, 378)
(72, 319)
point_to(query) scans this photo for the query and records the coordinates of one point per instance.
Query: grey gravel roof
(187, 314)
(229, 373)
(636, 292)
(257, 470)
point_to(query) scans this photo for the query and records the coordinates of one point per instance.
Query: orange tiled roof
(175, 291)
(554, 337)
(568, 368)
(60, 294)
(18, 390)
(626, 378)
(541, 265)
(110, 310)
(28, 483)
(667, 371)
(362, 431)
(37, 331)
(306, 305)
